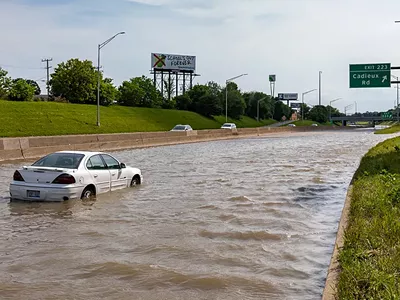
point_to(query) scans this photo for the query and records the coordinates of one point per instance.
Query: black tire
(135, 181)
(88, 193)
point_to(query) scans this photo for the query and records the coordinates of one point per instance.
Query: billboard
(295, 105)
(272, 78)
(173, 62)
(288, 96)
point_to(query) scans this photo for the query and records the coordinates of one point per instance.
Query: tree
(35, 85)
(108, 92)
(32, 83)
(236, 104)
(76, 81)
(21, 90)
(139, 91)
(266, 106)
(304, 111)
(335, 112)
(183, 102)
(204, 100)
(5, 83)
(281, 110)
(319, 113)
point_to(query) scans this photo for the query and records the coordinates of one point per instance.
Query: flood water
(238, 219)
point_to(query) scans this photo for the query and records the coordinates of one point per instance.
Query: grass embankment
(50, 118)
(370, 258)
(389, 130)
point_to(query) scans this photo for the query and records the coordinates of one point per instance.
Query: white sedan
(228, 126)
(68, 175)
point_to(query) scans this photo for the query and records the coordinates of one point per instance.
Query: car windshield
(179, 127)
(60, 160)
(226, 125)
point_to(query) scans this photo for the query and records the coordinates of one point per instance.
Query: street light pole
(302, 102)
(98, 72)
(346, 107)
(355, 103)
(226, 94)
(319, 88)
(330, 105)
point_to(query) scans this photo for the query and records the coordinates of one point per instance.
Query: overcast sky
(294, 39)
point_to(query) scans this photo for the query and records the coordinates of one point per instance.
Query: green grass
(389, 130)
(50, 118)
(370, 258)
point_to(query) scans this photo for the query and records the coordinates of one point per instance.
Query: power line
(19, 67)
(47, 60)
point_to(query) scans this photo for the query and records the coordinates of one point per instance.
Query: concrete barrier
(37, 146)
(332, 278)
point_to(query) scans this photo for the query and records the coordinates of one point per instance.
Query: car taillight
(17, 176)
(64, 179)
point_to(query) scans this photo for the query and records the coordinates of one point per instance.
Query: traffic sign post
(370, 75)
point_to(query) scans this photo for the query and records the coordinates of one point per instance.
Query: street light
(346, 107)
(319, 88)
(98, 72)
(258, 108)
(330, 105)
(302, 102)
(226, 94)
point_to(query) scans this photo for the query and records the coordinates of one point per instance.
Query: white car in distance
(228, 126)
(65, 175)
(180, 127)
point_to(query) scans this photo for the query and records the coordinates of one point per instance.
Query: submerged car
(228, 126)
(66, 175)
(180, 127)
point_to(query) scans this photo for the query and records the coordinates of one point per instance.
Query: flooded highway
(251, 218)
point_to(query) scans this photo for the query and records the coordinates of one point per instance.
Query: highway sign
(296, 105)
(288, 96)
(387, 116)
(370, 75)
(272, 78)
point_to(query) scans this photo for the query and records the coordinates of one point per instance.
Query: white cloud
(293, 39)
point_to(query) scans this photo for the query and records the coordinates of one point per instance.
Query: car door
(118, 176)
(100, 173)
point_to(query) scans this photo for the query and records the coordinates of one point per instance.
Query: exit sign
(370, 75)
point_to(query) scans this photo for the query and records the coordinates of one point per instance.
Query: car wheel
(135, 181)
(88, 193)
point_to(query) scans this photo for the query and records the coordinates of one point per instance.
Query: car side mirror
(123, 166)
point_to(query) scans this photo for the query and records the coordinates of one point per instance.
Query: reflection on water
(240, 219)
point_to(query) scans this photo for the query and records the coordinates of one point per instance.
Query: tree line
(75, 81)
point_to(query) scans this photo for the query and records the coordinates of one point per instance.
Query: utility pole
(47, 60)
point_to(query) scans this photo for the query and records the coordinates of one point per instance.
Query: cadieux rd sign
(370, 75)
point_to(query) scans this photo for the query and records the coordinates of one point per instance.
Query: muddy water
(239, 219)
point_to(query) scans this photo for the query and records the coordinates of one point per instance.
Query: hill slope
(50, 118)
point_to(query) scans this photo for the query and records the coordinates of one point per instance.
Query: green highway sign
(272, 78)
(370, 75)
(387, 116)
